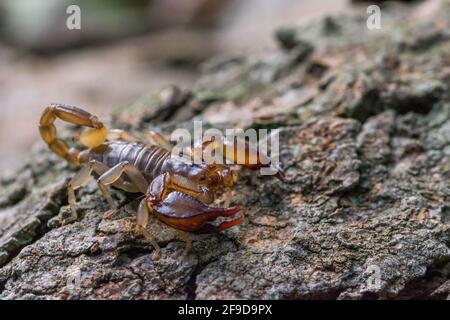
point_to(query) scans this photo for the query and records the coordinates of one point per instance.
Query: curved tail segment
(90, 138)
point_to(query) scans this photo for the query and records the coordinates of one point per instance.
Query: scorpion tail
(91, 138)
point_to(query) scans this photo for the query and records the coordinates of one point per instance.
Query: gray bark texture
(365, 143)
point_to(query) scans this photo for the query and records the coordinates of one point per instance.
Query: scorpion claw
(186, 213)
(209, 228)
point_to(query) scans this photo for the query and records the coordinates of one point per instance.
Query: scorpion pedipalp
(186, 213)
(240, 152)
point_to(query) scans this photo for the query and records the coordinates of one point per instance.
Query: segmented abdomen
(148, 159)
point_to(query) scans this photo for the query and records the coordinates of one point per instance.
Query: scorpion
(177, 192)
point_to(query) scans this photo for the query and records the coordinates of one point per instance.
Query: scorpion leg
(118, 134)
(141, 226)
(158, 139)
(80, 179)
(121, 184)
(113, 176)
(115, 173)
(151, 137)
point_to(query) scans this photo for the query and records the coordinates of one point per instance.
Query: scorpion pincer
(177, 192)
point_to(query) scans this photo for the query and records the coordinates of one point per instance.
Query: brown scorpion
(176, 191)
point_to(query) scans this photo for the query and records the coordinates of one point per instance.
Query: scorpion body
(176, 191)
(151, 160)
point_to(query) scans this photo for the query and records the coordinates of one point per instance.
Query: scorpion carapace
(179, 193)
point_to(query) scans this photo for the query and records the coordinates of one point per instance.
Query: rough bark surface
(365, 143)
